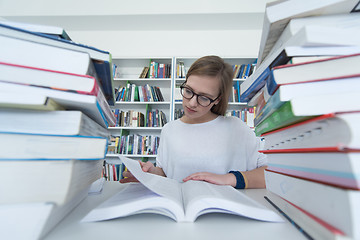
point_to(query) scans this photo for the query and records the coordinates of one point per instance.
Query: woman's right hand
(145, 166)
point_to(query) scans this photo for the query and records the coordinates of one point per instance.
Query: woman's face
(202, 85)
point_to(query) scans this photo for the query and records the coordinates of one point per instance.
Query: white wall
(134, 28)
(227, 43)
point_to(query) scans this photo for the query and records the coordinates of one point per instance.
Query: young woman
(204, 145)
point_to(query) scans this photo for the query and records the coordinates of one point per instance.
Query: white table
(152, 226)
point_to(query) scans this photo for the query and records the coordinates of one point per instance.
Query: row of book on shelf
(305, 90)
(245, 114)
(54, 107)
(132, 118)
(242, 71)
(134, 144)
(134, 93)
(113, 171)
(154, 70)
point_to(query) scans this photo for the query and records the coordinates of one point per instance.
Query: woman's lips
(190, 110)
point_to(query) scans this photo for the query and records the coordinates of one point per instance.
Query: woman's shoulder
(171, 125)
(234, 122)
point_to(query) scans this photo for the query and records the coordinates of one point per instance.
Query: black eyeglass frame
(197, 95)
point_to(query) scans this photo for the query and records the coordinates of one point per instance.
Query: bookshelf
(128, 71)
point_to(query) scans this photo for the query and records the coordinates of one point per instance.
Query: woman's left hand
(219, 179)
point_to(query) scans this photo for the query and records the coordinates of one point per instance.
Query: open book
(183, 202)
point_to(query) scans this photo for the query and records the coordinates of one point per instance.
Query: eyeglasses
(201, 99)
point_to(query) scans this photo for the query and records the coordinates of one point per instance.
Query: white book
(47, 78)
(45, 29)
(24, 220)
(183, 202)
(338, 206)
(340, 169)
(340, 130)
(56, 181)
(44, 56)
(16, 30)
(311, 225)
(279, 13)
(34, 220)
(89, 104)
(338, 22)
(28, 101)
(27, 146)
(50, 122)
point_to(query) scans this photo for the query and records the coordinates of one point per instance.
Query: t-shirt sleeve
(160, 151)
(255, 159)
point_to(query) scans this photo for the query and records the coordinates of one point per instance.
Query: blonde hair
(215, 66)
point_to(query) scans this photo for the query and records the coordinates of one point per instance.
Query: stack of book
(54, 114)
(305, 91)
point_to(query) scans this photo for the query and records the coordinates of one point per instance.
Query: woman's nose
(193, 101)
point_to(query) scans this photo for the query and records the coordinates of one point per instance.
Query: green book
(282, 117)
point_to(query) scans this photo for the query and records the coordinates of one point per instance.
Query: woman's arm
(146, 167)
(255, 178)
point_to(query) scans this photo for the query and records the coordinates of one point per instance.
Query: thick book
(54, 31)
(302, 108)
(62, 81)
(336, 21)
(50, 122)
(29, 217)
(56, 181)
(101, 60)
(286, 92)
(39, 55)
(313, 70)
(279, 13)
(183, 202)
(27, 146)
(92, 105)
(28, 101)
(333, 168)
(340, 131)
(35, 220)
(282, 56)
(310, 225)
(48, 78)
(338, 206)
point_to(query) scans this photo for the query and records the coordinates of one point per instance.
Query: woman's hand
(145, 166)
(219, 179)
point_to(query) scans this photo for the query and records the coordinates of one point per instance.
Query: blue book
(102, 60)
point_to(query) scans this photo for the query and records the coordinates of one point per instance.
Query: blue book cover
(263, 78)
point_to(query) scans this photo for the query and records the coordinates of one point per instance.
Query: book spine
(280, 118)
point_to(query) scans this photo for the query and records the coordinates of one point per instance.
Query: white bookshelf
(128, 71)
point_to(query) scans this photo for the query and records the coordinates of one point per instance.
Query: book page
(134, 199)
(202, 197)
(163, 186)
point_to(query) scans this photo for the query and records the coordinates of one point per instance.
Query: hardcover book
(101, 60)
(27, 146)
(339, 168)
(339, 207)
(93, 106)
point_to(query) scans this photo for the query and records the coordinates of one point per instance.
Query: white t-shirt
(217, 146)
